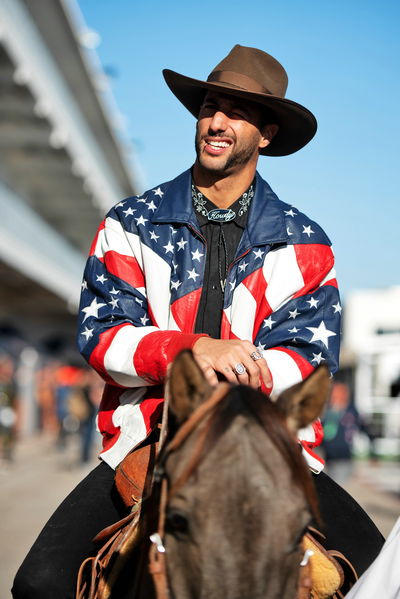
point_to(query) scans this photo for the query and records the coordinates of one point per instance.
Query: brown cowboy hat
(255, 75)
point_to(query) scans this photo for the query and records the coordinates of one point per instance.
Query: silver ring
(239, 368)
(256, 355)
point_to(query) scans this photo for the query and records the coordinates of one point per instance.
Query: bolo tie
(222, 216)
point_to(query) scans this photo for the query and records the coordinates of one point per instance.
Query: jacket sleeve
(116, 333)
(302, 327)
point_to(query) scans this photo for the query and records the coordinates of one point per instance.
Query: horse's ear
(187, 387)
(304, 402)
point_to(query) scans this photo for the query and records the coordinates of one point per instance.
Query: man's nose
(218, 121)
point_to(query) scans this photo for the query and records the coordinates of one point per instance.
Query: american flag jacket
(141, 292)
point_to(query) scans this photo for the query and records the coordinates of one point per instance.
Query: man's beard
(239, 158)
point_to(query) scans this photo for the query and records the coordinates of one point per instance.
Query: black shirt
(222, 238)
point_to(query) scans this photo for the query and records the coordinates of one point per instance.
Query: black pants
(50, 569)
(348, 528)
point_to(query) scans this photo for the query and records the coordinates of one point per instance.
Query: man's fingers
(263, 371)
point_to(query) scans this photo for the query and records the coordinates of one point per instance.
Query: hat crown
(243, 64)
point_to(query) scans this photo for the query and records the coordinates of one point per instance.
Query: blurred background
(86, 119)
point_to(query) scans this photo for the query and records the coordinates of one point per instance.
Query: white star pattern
(173, 231)
(87, 333)
(313, 302)
(151, 206)
(259, 253)
(139, 301)
(318, 358)
(290, 213)
(141, 200)
(101, 278)
(84, 285)
(153, 236)
(307, 230)
(158, 192)
(181, 244)
(92, 309)
(175, 285)
(114, 303)
(120, 204)
(197, 255)
(337, 307)
(268, 322)
(321, 333)
(174, 266)
(294, 313)
(232, 284)
(243, 266)
(192, 274)
(260, 347)
(129, 211)
(144, 320)
(294, 330)
(141, 220)
(114, 291)
(169, 247)
(288, 231)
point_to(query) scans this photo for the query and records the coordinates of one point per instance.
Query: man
(211, 261)
(212, 252)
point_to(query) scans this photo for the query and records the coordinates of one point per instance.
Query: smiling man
(211, 261)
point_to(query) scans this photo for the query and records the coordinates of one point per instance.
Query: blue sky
(342, 58)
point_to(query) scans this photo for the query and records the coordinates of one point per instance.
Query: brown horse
(239, 492)
(240, 495)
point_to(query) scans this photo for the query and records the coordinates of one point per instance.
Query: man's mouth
(217, 146)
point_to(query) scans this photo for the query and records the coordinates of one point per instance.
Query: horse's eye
(176, 522)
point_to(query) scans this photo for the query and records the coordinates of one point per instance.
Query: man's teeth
(219, 144)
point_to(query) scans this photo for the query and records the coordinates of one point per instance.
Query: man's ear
(186, 386)
(304, 402)
(268, 132)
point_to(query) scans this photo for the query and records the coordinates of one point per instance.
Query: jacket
(141, 291)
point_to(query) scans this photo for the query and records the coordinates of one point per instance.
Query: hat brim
(297, 125)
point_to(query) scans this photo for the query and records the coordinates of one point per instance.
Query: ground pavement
(40, 477)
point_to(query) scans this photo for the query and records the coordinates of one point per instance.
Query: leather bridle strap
(157, 558)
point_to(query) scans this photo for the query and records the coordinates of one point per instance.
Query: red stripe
(225, 327)
(94, 242)
(124, 267)
(319, 432)
(257, 286)
(332, 283)
(109, 403)
(157, 349)
(151, 407)
(314, 261)
(184, 310)
(97, 356)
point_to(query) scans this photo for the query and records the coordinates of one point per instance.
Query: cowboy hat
(254, 75)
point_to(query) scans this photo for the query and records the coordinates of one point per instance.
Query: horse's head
(239, 489)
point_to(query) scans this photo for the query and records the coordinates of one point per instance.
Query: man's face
(228, 135)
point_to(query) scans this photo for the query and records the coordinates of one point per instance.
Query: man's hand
(223, 355)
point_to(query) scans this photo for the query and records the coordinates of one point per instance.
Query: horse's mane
(271, 419)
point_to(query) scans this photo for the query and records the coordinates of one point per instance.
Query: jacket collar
(265, 224)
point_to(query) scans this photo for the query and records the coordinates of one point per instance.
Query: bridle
(157, 551)
(157, 557)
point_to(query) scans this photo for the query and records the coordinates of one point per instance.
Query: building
(64, 161)
(371, 354)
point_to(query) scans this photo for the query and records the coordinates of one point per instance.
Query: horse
(237, 494)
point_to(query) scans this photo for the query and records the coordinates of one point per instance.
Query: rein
(157, 558)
